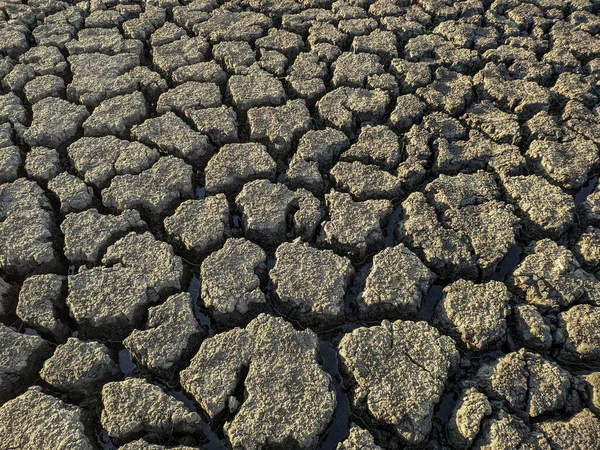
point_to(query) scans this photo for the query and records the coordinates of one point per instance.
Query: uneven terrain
(299, 224)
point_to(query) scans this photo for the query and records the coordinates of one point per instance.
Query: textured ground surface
(310, 224)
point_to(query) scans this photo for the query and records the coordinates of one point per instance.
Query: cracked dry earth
(299, 224)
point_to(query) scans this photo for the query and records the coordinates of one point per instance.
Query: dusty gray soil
(299, 224)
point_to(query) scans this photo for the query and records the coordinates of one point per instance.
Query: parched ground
(299, 224)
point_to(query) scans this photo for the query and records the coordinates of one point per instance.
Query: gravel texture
(299, 224)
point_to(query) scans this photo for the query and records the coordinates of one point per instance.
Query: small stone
(236, 164)
(49, 423)
(134, 406)
(355, 228)
(395, 286)
(21, 358)
(266, 208)
(398, 372)
(42, 163)
(170, 337)
(201, 226)
(173, 136)
(73, 193)
(231, 279)
(474, 314)
(297, 266)
(80, 368)
(88, 234)
(55, 122)
(154, 191)
(42, 305)
(284, 373)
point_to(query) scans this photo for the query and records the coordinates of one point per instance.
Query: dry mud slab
(299, 224)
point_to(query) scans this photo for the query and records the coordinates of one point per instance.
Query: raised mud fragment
(279, 127)
(98, 159)
(397, 372)
(283, 373)
(545, 210)
(395, 286)
(267, 209)
(192, 94)
(580, 431)
(154, 191)
(108, 302)
(116, 116)
(466, 418)
(353, 227)
(358, 439)
(170, 336)
(297, 264)
(550, 278)
(200, 225)
(231, 279)
(322, 146)
(345, 108)
(532, 329)
(134, 407)
(566, 164)
(173, 136)
(89, 233)
(236, 164)
(474, 314)
(26, 229)
(526, 382)
(42, 305)
(42, 163)
(80, 368)
(55, 122)
(219, 124)
(72, 192)
(365, 181)
(49, 423)
(377, 145)
(578, 334)
(21, 359)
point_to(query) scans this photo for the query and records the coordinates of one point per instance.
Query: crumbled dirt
(299, 224)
